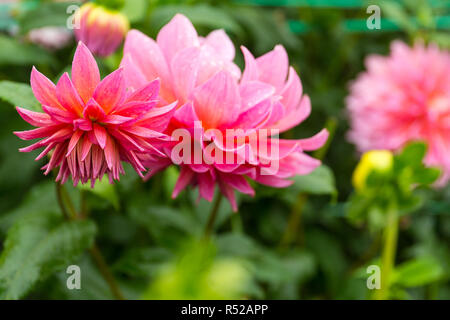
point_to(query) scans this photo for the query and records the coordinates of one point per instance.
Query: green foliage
(46, 14)
(36, 246)
(104, 190)
(15, 53)
(398, 187)
(418, 272)
(18, 94)
(152, 243)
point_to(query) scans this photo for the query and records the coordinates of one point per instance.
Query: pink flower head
(214, 99)
(93, 125)
(101, 29)
(401, 98)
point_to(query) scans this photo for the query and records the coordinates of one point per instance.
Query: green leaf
(37, 246)
(15, 53)
(104, 190)
(413, 153)
(320, 181)
(418, 272)
(19, 94)
(135, 10)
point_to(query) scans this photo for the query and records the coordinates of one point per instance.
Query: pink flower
(91, 125)
(101, 29)
(401, 98)
(200, 75)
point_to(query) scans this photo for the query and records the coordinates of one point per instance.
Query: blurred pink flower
(51, 38)
(101, 29)
(404, 97)
(91, 125)
(200, 75)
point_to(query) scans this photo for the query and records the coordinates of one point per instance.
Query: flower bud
(101, 29)
(376, 160)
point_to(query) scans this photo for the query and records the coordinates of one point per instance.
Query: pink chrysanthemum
(200, 75)
(404, 97)
(91, 125)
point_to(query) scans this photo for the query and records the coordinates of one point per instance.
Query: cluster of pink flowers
(401, 98)
(181, 81)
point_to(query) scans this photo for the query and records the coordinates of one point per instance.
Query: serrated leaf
(19, 94)
(38, 245)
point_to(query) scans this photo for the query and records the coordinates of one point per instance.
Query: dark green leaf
(37, 246)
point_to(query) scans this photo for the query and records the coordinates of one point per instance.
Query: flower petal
(217, 101)
(85, 74)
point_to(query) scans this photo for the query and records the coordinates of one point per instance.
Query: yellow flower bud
(376, 160)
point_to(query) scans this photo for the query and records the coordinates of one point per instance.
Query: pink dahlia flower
(101, 29)
(91, 125)
(404, 97)
(214, 99)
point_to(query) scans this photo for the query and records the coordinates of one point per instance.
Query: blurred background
(294, 243)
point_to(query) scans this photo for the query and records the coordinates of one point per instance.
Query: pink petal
(146, 93)
(184, 179)
(178, 34)
(273, 66)
(93, 111)
(73, 141)
(158, 118)
(273, 181)
(217, 101)
(37, 119)
(101, 135)
(185, 115)
(111, 90)
(294, 118)
(292, 91)
(253, 117)
(57, 114)
(206, 185)
(315, 142)
(44, 90)
(253, 92)
(251, 72)
(85, 74)
(239, 183)
(221, 43)
(134, 77)
(68, 96)
(146, 55)
(185, 66)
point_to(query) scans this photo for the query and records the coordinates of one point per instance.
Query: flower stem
(212, 216)
(71, 214)
(106, 273)
(388, 254)
(293, 222)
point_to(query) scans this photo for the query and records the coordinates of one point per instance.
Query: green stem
(388, 254)
(106, 273)
(71, 214)
(294, 221)
(212, 216)
(60, 200)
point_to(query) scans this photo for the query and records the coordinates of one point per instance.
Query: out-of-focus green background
(294, 243)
